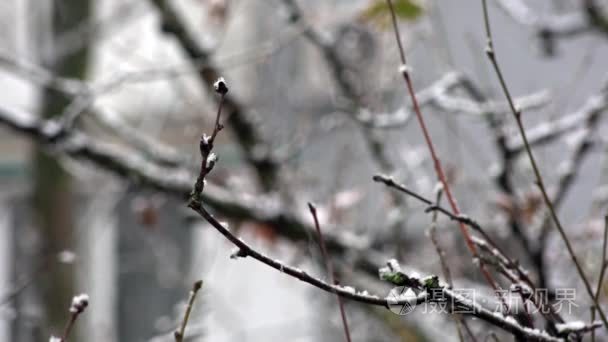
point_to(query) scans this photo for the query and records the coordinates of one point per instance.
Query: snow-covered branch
(547, 132)
(135, 167)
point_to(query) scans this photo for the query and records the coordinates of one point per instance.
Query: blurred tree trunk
(53, 197)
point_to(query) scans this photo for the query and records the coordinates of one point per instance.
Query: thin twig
(444, 265)
(604, 262)
(179, 334)
(68, 328)
(433, 236)
(486, 243)
(130, 166)
(44, 267)
(438, 168)
(571, 167)
(517, 275)
(247, 134)
(245, 250)
(495, 122)
(539, 180)
(497, 319)
(592, 320)
(79, 304)
(206, 143)
(388, 181)
(600, 280)
(549, 27)
(494, 318)
(547, 132)
(330, 269)
(337, 68)
(206, 146)
(377, 148)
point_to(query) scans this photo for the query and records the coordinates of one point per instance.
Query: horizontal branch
(390, 182)
(426, 284)
(512, 269)
(561, 25)
(132, 166)
(426, 96)
(464, 105)
(466, 305)
(549, 131)
(436, 93)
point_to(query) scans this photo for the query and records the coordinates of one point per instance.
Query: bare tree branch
(248, 136)
(181, 333)
(427, 284)
(549, 131)
(539, 180)
(175, 181)
(330, 269)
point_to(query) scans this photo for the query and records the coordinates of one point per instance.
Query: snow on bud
(211, 160)
(204, 144)
(79, 303)
(394, 265)
(438, 188)
(405, 69)
(238, 253)
(220, 86)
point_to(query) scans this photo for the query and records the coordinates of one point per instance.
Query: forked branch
(405, 72)
(539, 179)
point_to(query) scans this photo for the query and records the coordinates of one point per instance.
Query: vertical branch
(503, 179)
(405, 71)
(179, 334)
(206, 144)
(432, 232)
(433, 236)
(593, 320)
(600, 280)
(539, 180)
(565, 181)
(377, 149)
(330, 269)
(604, 264)
(247, 134)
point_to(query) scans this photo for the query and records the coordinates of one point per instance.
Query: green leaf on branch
(430, 282)
(395, 278)
(378, 12)
(399, 278)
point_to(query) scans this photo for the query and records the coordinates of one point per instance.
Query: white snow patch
(349, 289)
(570, 327)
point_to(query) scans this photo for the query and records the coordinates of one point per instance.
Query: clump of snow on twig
(79, 303)
(569, 327)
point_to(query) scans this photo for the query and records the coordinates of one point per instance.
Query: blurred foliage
(378, 12)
